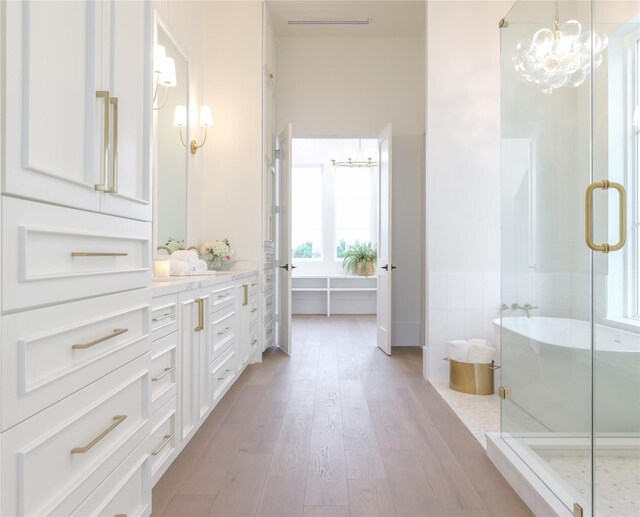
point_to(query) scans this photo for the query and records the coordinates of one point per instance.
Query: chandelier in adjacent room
(355, 157)
(559, 58)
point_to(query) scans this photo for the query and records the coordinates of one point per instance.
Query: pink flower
(228, 257)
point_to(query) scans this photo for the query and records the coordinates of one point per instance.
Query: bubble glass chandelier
(559, 58)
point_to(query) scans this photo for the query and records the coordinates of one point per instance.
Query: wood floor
(338, 429)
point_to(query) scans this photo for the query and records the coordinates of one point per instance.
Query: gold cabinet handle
(97, 254)
(224, 331)
(226, 374)
(163, 317)
(253, 342)
(221, 296)
(103, 187)
(166, 372)
(200, 327)
(588, 213)
(114, 162)
(254, 310)
(167, 439)
(253, 284)
(120, 515)
(116, 332)
(246, 294)
(269, 331)
(117, 420)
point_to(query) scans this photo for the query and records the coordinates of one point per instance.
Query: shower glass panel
(616, 334)
(570, 343)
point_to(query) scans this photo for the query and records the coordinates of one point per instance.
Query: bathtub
(546, 363)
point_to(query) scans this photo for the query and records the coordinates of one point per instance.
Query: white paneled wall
(462, 306)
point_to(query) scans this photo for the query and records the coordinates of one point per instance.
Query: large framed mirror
(170, 107)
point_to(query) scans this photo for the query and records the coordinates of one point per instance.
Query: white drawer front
(269, 258)
(223, 372)
(254, 340)
(164, 370)
(164, 316)
(268, 279)
(54, 460)
(52, 254)
(223, 331)
(50, 353)
(253, 311)
(269, 332)
(127, 491)
(253, 286)
(163, 441)
(223, 297)
(269, 308)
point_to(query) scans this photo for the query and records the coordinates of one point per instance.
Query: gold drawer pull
(200, 327)
(226, 373)
(223, 332)
(254, 310)
(253, 284)
(167, 439)
(221, 296)
(253, 342)
(120, 515)
(163, 317)
(117, 420)
(167, 371)
(96, 254)
(269, 331)
(116, 332)
(588, 227)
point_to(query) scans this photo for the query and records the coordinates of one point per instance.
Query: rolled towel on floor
(185, 256)
(458, 350)
(478, 341)
(480, 354)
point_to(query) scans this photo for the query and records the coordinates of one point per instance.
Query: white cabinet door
(53, 128)
(128, 43)
(193, 393)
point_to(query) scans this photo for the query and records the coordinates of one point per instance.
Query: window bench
(351, 286)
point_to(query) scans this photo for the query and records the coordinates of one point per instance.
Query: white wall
(231, 189)
(185, 21)
(346, 87)
(463, 173)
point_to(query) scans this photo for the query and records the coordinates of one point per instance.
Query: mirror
(171, 155)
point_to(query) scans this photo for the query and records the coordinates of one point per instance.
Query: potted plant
(360, 259)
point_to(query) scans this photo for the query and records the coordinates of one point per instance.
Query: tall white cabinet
(75, 404)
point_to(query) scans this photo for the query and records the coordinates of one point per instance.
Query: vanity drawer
(52, 254)
(223, 372)
(253, 311)
(253, 339)
(269, 300)
(269, 332)
(223, 297)
(48, 354)
(253, 286)
(268, 280)
(127, 491)
(54, 460)
(163, 441)
(163, 370)
(223, 331)
(164, 316)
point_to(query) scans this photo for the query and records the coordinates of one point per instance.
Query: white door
(53, 132)
(283, 165)
(385, 266)
(127, 57)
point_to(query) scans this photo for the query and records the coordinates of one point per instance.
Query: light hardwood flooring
(338, 429)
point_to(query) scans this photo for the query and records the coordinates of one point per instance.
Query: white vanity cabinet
(79, 120)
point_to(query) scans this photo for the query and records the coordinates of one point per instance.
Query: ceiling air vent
(365, 21)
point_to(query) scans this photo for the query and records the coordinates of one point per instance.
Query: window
(332, 207)
(306, 212)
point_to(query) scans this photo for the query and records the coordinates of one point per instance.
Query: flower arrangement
(216, 253)
(174, 244)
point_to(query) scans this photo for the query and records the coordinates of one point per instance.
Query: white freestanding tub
(547, 365)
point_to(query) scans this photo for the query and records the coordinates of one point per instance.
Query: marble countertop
(177, 284)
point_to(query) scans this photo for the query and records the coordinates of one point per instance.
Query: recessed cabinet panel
(163, 370)
(163, 441)
(223, 331)
(223, 297)
(223, 372)
(50, 353)
(52, 254)
(164, 316)
(53, 126)
(54, 460)
(128, 43)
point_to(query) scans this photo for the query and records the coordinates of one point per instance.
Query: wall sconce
(164, 70)
(180, 121)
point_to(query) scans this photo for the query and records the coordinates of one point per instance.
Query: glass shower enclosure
(570, 324)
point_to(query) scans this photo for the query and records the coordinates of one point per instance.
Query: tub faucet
(527, 308)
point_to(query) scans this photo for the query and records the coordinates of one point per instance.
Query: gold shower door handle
(588, 213)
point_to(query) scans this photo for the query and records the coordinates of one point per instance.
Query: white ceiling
(390, 17)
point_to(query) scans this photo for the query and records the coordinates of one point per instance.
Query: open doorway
(333, 226)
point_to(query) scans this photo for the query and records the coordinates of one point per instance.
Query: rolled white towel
(480, 354)
(478, 341)
(458, 350)
(179, 268)
(185, 255)
(199, 267)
